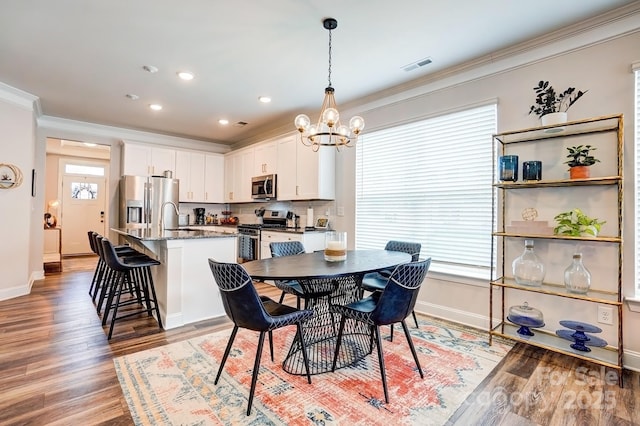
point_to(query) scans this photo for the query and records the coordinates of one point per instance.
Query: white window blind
(637, 172)
(430, 182)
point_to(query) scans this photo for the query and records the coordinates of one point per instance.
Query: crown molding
(20, 98)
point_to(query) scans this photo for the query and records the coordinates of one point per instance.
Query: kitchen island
(185, 287)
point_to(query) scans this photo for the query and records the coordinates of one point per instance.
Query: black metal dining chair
(392, 305)
(248, 310)
(288, 248)
(376, 281)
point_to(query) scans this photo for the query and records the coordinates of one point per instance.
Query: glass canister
(335, 246)
(508, 168)
(528, 269)
(577, 278)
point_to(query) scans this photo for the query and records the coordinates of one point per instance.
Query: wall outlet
(340, 211)
(605, 315)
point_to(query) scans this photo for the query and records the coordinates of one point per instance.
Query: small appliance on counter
(199, 219)
(183, 220)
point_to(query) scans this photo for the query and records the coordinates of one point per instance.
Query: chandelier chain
(329, 78)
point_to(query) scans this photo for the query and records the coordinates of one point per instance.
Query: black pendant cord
(329, 78)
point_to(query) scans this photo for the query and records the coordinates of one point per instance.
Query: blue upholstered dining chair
(392, 305)
(376, 281)
(247, 309)
(288, 248)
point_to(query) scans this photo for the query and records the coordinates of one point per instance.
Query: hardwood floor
(56, 367)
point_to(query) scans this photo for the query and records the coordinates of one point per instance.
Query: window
(430, 181)
(82, 169)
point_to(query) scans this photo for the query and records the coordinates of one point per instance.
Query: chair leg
(415, 318)
(226, 353)
(335, 356)
(304, 352)
(376, 330)
(413, 349)
(391, 326)
(256, 368)
(271, 344)
(281, 297)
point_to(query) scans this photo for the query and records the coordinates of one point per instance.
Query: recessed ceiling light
(150, 68)
(223, 121)
(185, 75)
(132, 96)
(155, 107)
(264, 99)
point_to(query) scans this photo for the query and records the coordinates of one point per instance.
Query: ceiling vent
(417, 64)
(240, 124)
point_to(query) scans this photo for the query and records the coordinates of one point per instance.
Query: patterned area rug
(173, 384)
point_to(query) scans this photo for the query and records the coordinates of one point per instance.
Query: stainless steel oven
(249, 242)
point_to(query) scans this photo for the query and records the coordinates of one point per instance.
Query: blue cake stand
(578, 334)
(525, 323)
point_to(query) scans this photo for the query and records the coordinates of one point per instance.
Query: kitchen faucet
(175, 208)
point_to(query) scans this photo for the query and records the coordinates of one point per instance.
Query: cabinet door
(307, 172)
(214, 178)
(196, 177)
(242, 174)
(136, 160)
(229, 174)
(182, 174)
(162, 159)
(266, 159)
(287, 172)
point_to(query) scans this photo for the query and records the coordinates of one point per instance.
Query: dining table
(326, 283)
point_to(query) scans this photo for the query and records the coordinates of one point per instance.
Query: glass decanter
(577, 278)
(527, 268)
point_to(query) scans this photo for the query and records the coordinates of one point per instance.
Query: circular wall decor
(10, 176)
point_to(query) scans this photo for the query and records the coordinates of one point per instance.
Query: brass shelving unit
(612, 355)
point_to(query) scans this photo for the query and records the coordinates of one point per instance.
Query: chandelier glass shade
(329, 131)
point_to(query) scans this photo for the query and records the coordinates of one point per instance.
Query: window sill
(633, 303)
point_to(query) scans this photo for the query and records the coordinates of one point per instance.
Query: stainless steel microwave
(263, 187)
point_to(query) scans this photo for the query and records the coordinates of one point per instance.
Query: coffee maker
(199, 212)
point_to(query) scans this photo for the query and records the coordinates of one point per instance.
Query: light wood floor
(56, 367)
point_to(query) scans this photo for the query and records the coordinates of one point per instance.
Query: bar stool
(99, 273)
(133, 273)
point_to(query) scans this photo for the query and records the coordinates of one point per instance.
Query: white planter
(553, 119)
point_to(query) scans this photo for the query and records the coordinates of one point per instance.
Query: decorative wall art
(10, 176)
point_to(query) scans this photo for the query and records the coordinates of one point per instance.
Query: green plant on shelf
(575, 223)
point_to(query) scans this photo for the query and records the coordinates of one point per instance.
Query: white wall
(17, 206)
(605, 70)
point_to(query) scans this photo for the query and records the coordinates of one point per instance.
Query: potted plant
(580, 160)
(575, 223)
(548, 101)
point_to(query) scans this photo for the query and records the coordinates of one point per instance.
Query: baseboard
(631, 358)
(21, 290)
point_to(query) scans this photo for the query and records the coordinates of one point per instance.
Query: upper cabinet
(201, 176)
(147, 160)
(304, 174)
(265, 160)
(239, 169)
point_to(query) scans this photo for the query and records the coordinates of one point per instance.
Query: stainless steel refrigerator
(143, 198)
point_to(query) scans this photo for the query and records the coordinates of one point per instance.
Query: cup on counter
(335, 246)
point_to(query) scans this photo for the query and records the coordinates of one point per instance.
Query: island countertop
(155, 234)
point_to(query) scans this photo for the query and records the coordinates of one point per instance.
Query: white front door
(83, 210)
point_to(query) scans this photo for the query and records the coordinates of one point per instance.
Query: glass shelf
(603, 180)
(559, 237)
(607, 356)
(593, 295)
(572, 128)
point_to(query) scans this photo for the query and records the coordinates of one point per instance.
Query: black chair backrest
(406, 247)
(110, 257)
(92, 241)
(286, 248)
(401, 292)
(239, 297)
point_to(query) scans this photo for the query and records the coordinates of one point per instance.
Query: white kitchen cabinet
(238, 173)
(312, 241)
(214, 178)
(201, 176)
(147, 160)
(265, 159)
(304, 174)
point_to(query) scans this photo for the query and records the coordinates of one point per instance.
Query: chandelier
(328, 131)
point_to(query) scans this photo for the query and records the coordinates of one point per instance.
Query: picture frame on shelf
(322, 223)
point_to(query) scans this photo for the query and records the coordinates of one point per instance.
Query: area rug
(173, 384)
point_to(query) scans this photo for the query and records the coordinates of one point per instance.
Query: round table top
(313, 265)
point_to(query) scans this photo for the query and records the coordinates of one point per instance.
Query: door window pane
(79, 169)
(84, 191)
